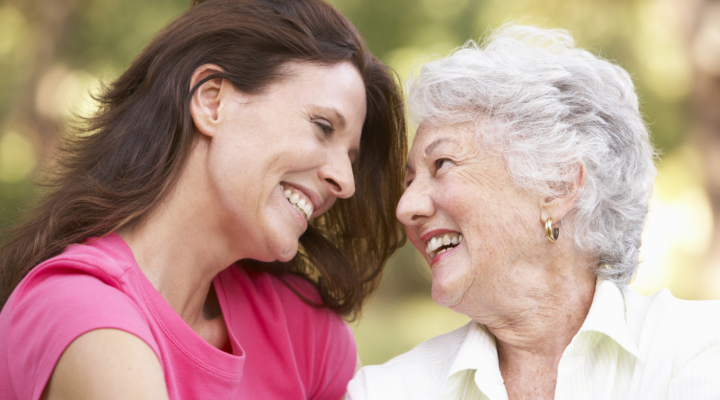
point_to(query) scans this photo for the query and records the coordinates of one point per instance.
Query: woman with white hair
(527, 191)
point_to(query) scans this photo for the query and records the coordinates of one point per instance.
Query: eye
(325, 126)
(409, 179)
(442, 162)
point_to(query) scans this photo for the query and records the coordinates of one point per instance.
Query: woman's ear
(206, 104)
(557, 207)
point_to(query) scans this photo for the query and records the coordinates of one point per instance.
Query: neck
(535, 317)
(180, 247)
(547, 317)
(180, 268)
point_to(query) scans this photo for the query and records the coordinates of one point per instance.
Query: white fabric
(629, 347)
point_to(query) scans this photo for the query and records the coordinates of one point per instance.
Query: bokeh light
(54, 57)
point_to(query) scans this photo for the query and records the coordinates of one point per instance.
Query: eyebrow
(431, 147)
(436, 143)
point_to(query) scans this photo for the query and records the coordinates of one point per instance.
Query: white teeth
(301, 204)
(303, 211)
(442, 240)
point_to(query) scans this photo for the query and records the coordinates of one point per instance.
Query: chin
(278, 250)
(281, 242)
(449, 284)
(287, 252)
(444, 296)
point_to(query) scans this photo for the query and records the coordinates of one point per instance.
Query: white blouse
(629, 347)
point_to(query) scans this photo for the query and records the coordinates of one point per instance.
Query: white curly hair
(549, 107)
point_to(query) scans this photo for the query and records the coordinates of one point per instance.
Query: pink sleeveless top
(281, 347)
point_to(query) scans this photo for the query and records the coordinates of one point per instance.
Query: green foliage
(75, 39)
(108, 34)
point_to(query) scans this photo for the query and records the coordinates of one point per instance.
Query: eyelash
(439, 162)
(438, 165)
(327, 129)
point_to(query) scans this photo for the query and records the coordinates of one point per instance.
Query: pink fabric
(281, 347)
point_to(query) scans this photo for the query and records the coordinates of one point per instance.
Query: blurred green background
(53, 52)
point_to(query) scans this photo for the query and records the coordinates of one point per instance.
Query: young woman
(254, 130)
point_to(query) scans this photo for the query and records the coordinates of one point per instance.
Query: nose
(338, 176)
(415, 204)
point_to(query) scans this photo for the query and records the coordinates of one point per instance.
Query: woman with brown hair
(229, 138)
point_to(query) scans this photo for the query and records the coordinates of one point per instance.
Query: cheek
(414, 237)
(468, 204)
(326, 206)
(495, 222)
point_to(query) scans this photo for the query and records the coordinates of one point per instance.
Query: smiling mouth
(297, 199)
(442, 243)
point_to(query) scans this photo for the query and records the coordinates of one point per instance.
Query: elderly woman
(527, 191)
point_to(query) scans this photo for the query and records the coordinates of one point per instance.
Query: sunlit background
(53, 53)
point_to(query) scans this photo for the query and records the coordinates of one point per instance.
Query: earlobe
(206, 102)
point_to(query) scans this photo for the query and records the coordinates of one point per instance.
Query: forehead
(431, 137)
(338, 87)
(312, 79)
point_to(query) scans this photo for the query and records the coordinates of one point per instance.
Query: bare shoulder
(108, 364)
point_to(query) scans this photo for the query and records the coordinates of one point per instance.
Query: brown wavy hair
(130, 154)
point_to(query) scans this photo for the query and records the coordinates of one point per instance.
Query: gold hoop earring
(552, 233)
